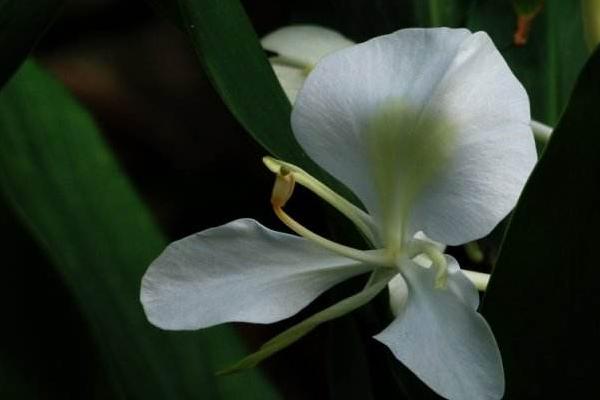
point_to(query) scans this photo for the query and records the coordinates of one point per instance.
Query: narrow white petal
(240, 271)
(398, 294)
(428, 120)
(462, 287)
(290, 78)
(304, 45)
(444, 341)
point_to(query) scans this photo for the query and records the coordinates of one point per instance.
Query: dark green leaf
(543, 299)
(527, 7)
(233, 58)
(553, 56)
(361, 20)
(22, 23)
(431, 13)
(60, 177)
(235, 62)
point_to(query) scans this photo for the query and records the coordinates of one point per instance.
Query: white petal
(444, 341)
(290, 78)
(460, 285)
(495, 148)
(426, 117)
(304, 45)
(240, 271)
(398, 294)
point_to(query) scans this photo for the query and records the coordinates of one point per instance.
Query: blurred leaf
(13, 386)
(430, 13)
(543, 302)
(527, 7)
(549, 63)
(22, 23)
(361, 20)
(358, 20)
(61, 179)
(63, 362)
(235, 62)
(345, 347)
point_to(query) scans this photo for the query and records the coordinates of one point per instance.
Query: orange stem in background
(524, 23)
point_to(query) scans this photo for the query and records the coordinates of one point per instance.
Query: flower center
(423, 252)
(406, 148)
(285, 179)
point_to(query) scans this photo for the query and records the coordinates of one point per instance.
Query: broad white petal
(290, 78)
(444, 341)
(425, 117)
(494, 147)
(240, 271)
(304, 45)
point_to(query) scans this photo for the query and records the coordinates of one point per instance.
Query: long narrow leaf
(62, 180)
(543, 299)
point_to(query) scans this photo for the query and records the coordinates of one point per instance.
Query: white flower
(430, 130)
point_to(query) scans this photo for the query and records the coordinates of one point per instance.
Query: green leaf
(361, 20)
(233, 59)
(433, 13)
(527, 7)
(66, 187)
(22, 23)
(236, 63)
(552, 58)
(543, 302)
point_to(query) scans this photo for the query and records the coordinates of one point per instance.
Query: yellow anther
(361, 219)
(283, 188)
(437, 258)
(282, 192)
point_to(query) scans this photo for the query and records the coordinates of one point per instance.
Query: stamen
(361, 219)
(437, 258)
(282, 191)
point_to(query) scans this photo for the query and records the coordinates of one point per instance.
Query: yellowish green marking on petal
(407, 148)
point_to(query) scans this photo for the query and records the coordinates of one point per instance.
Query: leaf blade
(66, 187)
(542, 295)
